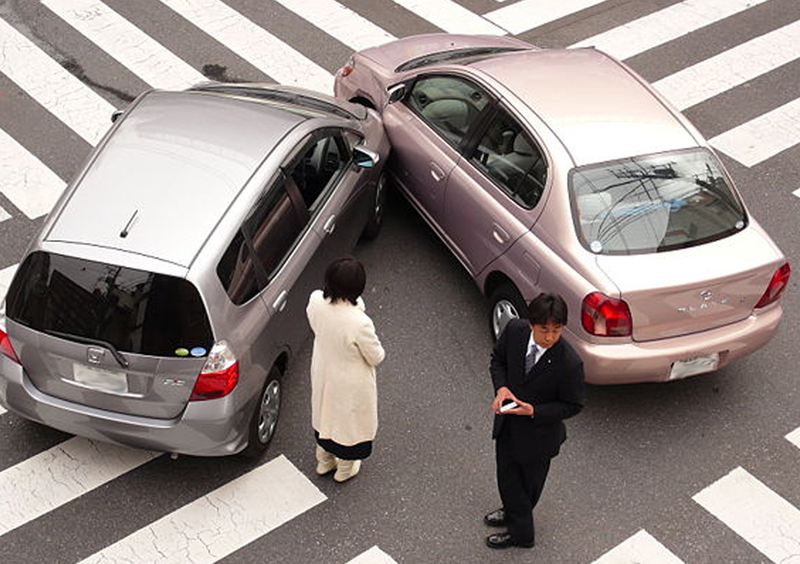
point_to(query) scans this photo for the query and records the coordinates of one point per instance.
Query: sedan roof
(169, 172)
(595, 105)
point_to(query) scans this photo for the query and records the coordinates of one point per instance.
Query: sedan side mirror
(115, 115)
(364, 158)
(396, 92)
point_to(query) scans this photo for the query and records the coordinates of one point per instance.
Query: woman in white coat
(344, 396)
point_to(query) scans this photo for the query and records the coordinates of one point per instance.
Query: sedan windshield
(654, 203)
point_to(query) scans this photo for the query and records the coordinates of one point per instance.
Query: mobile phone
(508, 405)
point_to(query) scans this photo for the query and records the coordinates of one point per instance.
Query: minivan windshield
(135, 311)
(654, 203)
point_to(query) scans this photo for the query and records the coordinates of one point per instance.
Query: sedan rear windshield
(133, 310)
(654, 203)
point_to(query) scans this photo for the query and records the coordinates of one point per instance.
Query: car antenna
(129, 226)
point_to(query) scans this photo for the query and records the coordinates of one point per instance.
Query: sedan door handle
(499, 234)
(436, 173)
(280, 301)
(330, 225)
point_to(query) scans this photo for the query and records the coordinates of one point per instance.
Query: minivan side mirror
(364, 158)
(396, 92)
(115, 115)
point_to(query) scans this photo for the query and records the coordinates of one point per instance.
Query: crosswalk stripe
(528, 14)
(794, 436)
(733, 67)
(641, 548)
(662, 26)
(451, 17)
(4, 215)
(125, 42)
(373, 556)
(30, 185)
(763, 137)
(220, 522)
(52, 86)
(253, 43)
(6, 275)
(756, 513)
(340, 22)
(60, 474)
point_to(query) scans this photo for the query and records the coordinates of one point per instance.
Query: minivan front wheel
(265, 416)
(506, 303)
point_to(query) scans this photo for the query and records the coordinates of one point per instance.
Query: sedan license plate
(99, 379)
(692, 366)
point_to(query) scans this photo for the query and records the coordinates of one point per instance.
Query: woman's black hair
(345, 279)
(546, 308)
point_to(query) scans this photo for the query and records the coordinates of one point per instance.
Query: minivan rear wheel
(373, 226)
(506, 303)
(265, 416)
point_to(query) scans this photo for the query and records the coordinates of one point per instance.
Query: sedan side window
(509, 157)
(448, 104)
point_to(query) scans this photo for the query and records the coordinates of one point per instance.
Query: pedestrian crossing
(203, 530)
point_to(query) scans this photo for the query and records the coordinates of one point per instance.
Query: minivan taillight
(776, 286)
(6, 348)
(219, 375)
(605, 316)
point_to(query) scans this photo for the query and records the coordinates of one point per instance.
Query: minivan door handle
(499, 234)
(280, 301)
(330, 225)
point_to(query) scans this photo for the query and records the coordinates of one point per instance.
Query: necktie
(530, 359)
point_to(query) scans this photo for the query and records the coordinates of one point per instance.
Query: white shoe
(326, 462)
(346, 469)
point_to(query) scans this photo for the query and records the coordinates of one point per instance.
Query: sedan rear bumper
(205, 428)
(652, 361)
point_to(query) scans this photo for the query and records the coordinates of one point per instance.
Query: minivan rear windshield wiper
(123, 362)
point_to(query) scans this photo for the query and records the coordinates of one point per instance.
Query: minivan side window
(318, 166)
(508, 156)
(449, 104)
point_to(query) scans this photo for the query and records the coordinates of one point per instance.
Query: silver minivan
(164, 296)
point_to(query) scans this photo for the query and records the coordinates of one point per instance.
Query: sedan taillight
(219, 375)
(776, 286)
(606, 317)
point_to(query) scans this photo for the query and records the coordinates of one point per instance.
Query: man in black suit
(533, 367)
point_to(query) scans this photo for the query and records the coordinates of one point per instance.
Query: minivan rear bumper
(651, 361)
(205, 428)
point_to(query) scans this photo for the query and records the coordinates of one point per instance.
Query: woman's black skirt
(359, 451)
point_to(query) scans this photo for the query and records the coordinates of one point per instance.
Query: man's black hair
(345, 279)
(546, 308)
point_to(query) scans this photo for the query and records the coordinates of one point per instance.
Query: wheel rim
(268, 412)
(503, 312)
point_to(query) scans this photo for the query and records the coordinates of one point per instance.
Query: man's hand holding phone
(506, 403)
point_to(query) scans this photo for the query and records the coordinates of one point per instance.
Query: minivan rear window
(136, 311)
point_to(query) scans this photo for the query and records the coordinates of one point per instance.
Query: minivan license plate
(692, 366)
(99, 379)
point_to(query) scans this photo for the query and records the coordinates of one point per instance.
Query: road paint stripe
(756, 513)
(222, 521)
(732, 68)
(340, 22)
(794, 436)
(4, 215)
(6, 275)
(126, 43)
(450, 16)
(662, 26)
(373, 556)
(641, 548)
(30, 185)
(763, 137)
(59, 475)
(58, 91)
(253, 43)
(528, 14)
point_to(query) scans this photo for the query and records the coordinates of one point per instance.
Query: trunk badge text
(707, 301)
(95, 355)
(173, 382)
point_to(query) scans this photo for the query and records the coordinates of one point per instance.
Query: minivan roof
(169, 173)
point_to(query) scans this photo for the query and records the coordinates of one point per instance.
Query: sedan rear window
(135, 311)
(654, 203)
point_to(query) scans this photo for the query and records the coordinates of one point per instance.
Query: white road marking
(129, 45)
(733, 67)
(58, 475)
(528, 14)
(794, 436)
(640, 548)
(756, 513)
(253, 43)
(450, 16)
(221, 521)
(763, 137)
(373, 556)
(6, 275)
(30, 185)
(664, 25)
(4, 215)
(52, 86)
(340, 22)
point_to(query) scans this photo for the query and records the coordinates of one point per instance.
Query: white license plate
(99, 379)
(692, 366)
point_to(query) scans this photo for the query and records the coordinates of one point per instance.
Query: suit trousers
(520, 484)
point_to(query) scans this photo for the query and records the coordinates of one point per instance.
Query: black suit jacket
(554, 386)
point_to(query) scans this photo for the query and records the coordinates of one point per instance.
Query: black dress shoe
(496, 518)
(504, 540)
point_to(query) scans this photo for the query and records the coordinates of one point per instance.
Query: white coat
(344, 396)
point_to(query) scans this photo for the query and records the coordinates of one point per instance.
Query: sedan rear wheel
(265, 417)
(506, 303)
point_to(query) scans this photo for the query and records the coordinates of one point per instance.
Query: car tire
(264, 420)
(505, 303)
(373, 226)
